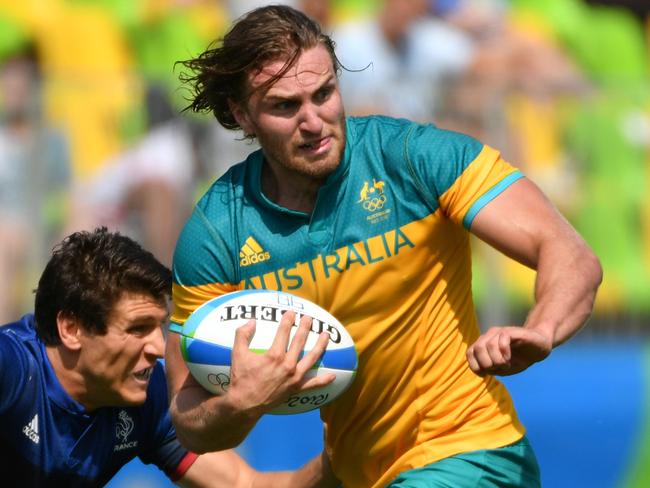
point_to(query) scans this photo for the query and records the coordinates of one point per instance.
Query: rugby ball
(208, 335)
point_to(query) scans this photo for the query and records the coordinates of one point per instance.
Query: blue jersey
(49, 439)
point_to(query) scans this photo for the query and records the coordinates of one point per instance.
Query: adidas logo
(252, 253)
(31, 430)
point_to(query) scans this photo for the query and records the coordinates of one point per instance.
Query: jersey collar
(254, 165)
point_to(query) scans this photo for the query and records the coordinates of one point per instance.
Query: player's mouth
(317, 147)
(143, 374)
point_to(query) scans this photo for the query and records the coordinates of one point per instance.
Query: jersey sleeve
(160, 445)
(455, 172)
(13, 370)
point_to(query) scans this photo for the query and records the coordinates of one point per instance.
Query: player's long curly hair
(87, 275)
(266, 34)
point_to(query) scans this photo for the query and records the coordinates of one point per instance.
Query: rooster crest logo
(124, 427)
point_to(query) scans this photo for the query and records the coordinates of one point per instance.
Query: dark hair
(88, 273)
(262, 35)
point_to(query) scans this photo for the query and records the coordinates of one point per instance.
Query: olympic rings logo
(373, 204)
(219, 379)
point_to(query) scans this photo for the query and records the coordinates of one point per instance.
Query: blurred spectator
(427, 60)
(146, 191)
(515, 91)
(34, 178)
(396, 60)
(561, 86)
(510, 54)
(608, 43)
(608, 136)
(89, 86)
(165, 32)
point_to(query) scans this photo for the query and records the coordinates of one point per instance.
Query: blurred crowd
(92, 127)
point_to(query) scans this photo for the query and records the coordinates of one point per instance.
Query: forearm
(565, 290)
(207, 423)
(314, 474)
(258, 382)
(525, 226)
(204, 422)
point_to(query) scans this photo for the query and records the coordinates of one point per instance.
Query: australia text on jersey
(368, 251)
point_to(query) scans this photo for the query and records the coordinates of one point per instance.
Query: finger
(493, 349)
(299, 339)
(243, 337)
(472, 353)
(504, 347)
(471, 359)
(482, 356)
(314, 355)
(530, 345)
(281, 339)
(318, 381)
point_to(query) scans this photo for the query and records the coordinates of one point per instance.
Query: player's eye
(324, 93)
(139, 330)
(284, 105)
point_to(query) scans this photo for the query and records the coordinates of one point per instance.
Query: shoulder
(224, 194)
(390, 126)
(203, 252)
(371, 129)
(17, 335)
(21, 363)
(212, 212)
(403, 135)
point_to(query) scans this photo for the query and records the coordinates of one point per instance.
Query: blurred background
(92, 132)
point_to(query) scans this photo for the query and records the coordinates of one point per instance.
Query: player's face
(117, 365)
(299, 121)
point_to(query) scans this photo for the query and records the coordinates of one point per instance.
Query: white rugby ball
(208, 336)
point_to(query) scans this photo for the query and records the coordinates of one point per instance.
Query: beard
(287, 155)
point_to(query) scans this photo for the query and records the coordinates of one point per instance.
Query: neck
(288, 188)
(63, 365)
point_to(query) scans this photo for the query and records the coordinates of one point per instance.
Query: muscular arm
(206, 422)
(226, 469)
(524, 225)
(317, 473)
(195, 411)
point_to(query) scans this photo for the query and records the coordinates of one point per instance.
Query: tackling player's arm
(258, 382)
(317, 473)
(523, 224)
(226, 469)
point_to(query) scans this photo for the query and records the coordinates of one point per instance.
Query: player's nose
(156, 343)
(310, 119)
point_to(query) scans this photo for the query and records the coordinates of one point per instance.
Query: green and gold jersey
(386, 251)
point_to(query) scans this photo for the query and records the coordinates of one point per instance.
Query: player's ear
(241, 116)
(69, 330)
